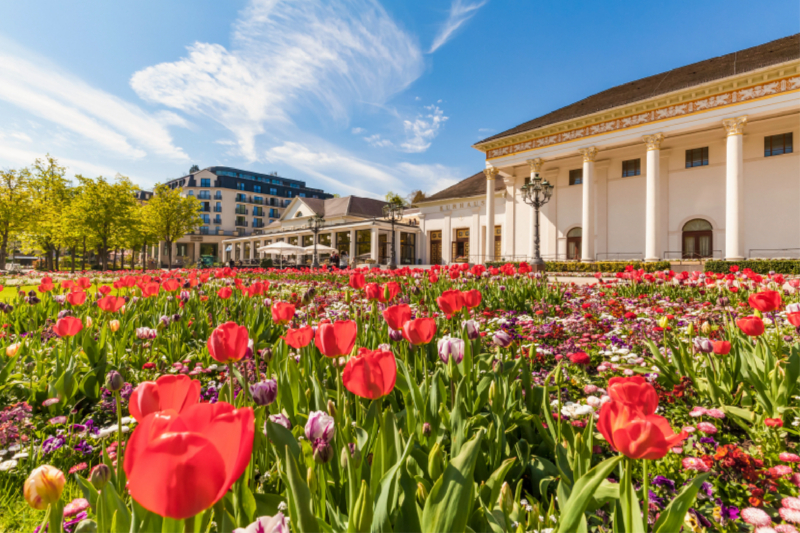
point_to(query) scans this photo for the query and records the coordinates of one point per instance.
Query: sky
(354, 97)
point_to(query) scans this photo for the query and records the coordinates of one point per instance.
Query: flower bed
(454, 399)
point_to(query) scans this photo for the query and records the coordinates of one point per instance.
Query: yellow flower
(44, 486)
(12, 349)
(114, 325)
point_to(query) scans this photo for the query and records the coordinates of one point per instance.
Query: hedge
(599, 266)
(760, 266)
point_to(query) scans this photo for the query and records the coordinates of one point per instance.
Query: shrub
(266, 262)
(599, 266)
(760, 266)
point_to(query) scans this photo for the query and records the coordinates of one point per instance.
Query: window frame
(692, 159)
(771, 151)
(636, 171)
(576, 176)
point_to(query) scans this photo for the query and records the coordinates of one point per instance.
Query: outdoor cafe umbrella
(282, 248)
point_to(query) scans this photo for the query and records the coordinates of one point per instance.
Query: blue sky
(356, 97)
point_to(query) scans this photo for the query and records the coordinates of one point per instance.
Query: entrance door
(460, 253)
(383, 249)
(498, 238)
(436, 248)
(574, 238)
(698, 238)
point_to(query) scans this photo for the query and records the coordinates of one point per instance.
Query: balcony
(218, 209)
(204, 195)
(217, 221)
(258, 201)
(241, 198)
(241, 210)
(218, 195)
(241, 223)
(258, 212)
(205, 209)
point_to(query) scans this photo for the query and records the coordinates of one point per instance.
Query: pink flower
(786, 528)
(781, 470)
(791, 502)
(707, 428)
(693, 463)
(794, 479)
(715, 413)
(76, 506)
(765, 529)
(756, 517)
(689, 429)
(676, 449)
(787, 457)
(790, 515)
(590, 389)
(697, 411)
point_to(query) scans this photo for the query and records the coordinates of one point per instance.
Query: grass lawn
(9, 293)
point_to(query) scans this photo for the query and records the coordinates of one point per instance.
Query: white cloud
(288, 56)
(356, 131)
(422, 130)
(14, 157)
(348, 174)
(378, 142)
(105, 120)
(460, 13)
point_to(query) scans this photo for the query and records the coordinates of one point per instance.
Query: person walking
(344, 262)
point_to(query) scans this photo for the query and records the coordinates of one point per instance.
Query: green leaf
(408, 514)
(672, 517)
(304, 520)
(451, 499)
(385, 495)
(282, 437)
(496, 481)
(582, 492)
(361, 518)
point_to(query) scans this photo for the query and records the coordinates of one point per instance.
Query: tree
(14, 207)
(169, 215)
(48, 192)
(416, 196)
(106, 210)
(394, 198)
(138, 235)
(193, 169)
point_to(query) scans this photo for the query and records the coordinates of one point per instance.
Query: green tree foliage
(48, 194)
(394, 198)
(169, 215)
(14, 207)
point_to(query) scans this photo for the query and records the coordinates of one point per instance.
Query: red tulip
(722, 347)
(69, 326)
(372, 291)
(794, 319)
(111, 304)
(76, 298)
(104, 290)
(300, 337)
(751, 325)
(171, 285)
(46, 285)
(765, 301)
(634, 392)
(419, 330)
(178, 465)
(150, 289)
(472, 298)
(282, 312)
(397, 315)
(170, 392)
(357, 280)
(370, 374)
(383, 294)
(225, 292)
(579, 358)
(450, 302)
(228, 342)
(83, 283)
(337, 339)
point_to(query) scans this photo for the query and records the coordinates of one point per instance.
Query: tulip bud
(114, 381)
(86, 526)
(311, 479)
(266, 355)
(88, 322)
(426, 429)
(506, 499)
(705, 329)
(435, 462)
(113, 325)
(332, 408)
(473, 333)
(723, 301)
(101, 474)
(44, 486)
(703, 345)
(347, 297)
(422, 494)
(502, 339)
(492, 393)
(362, 510)
(689, 330)
(264, 392)
(395, 335)
(12, 349)
(323, 452)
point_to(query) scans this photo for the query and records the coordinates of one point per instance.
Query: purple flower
(661, 481)
(703, 345)
(52, 444)
(280, 419)
(264, 392)
(451, 347)
(502, 339)
(473, 332)
(320, 425)
(268, 524)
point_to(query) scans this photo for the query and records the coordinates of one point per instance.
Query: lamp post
(315, 224)
(393, 212)
(537, 193)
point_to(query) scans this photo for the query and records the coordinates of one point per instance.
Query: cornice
(769, 81)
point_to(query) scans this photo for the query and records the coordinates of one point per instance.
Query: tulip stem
(645, 494)
(118, 401)
(230, 380)
(188, 525)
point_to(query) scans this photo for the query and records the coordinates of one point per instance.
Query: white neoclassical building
(691, 163)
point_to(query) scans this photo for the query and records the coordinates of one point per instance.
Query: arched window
(574, 237)
(298, 214)
(698, 239)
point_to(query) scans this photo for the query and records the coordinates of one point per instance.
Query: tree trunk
(72, 253)
(83, 257)
(104, 255)
(58, 258)
(114, 262)
(144, 257)
(3, 250)
(169, 243)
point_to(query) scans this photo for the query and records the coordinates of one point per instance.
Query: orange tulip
(69, 326)
(76, 298)
(111, 304)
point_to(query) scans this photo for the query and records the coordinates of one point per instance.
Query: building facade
(352, 225)
(234, 203)
(693, 163)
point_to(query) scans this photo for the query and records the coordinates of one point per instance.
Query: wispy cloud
(106, 121)
(460, 12)
(349, 174)
(422, 130)
(287, 56)
(377, 141)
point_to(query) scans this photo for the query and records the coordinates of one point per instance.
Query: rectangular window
(778, 144)
(203, 230)
(205, 182)
(308, 240)
(206, 219)
(697, 157)
(273, 191)
(256, 188)
(240, 186)
(576, 176)
(218, 207)
(258, 200)
(241, 210)
(240, 221)
(363, 243)
(241, 197)
(302, 195)
(632, 167)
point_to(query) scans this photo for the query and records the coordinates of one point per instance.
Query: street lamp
(315, 224)
(537, 193)
(393, 212)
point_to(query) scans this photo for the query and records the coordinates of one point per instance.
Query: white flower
(5, 466)
(21, 455)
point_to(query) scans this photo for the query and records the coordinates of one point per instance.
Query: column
(397, 246)
(422, 241)
(158, 265)
(734, 189)
(491, 174)
(447, 241)
(373, 244)
(535, 166)
(652, 215)
(587, 223)
(417, 247)
(476, 253)
(510, 223)
(352, 252)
